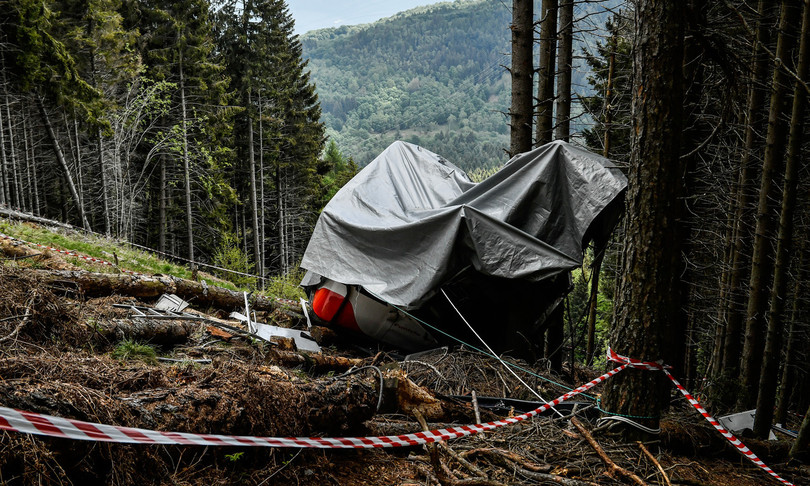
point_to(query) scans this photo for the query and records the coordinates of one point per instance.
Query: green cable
(513, 365)
(599, 407)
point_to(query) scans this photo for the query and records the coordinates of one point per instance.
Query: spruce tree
(264, 61)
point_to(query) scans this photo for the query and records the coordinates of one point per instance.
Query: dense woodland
(195, 129)
(188, 127)
(708, 270)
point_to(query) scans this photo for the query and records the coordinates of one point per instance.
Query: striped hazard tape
(633, 363)
(728, 435)
(68, 253)
(48, 425)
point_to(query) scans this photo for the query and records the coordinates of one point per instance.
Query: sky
(320, 14)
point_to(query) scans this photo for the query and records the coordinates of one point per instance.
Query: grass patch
(140, 261)
(132, 350)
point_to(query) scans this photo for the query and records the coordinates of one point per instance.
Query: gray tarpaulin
(410, 220)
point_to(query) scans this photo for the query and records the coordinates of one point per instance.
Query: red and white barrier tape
(728, 435)
(47, 425)
(634, 363)
(68, 253)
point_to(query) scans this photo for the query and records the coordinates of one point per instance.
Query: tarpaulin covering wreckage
(411, 227)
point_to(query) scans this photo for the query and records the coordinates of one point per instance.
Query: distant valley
(433, 76)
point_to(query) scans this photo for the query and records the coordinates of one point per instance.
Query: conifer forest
(212, 134)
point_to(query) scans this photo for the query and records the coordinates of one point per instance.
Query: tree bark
(762, 262)
(545, 73)
(520, 112)
(60, 157)
(565, 58)
(766, 396)
(647, 325)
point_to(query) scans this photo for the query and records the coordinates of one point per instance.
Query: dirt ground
(55, 358)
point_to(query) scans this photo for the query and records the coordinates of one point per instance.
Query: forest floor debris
(57, 356)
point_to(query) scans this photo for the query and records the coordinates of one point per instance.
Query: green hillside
(433, 76)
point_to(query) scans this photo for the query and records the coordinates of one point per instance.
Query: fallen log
(312, 361)
(200, 294)
(21, 216)
(160, 332)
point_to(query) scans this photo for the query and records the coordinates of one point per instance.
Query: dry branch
(654, 461)
(613, 468)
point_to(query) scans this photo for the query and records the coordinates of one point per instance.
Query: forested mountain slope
(432, 76)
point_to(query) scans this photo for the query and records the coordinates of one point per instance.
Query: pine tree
(264, 61)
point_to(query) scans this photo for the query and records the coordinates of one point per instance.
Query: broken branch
(613, 468)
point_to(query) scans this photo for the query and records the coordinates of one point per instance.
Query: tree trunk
(596, 267)
(545, 73)
(254, 206)
(787, 383)
(14, 166)
(729, 364)
(766, 395)
(186, 168)
(28, 166)
(105, 197)
(78, 159)
(5, 196)
(613, 45)
(29, 146)
(60, 157)
(565, 58)
(802, 444)
(262, 254)
(554, 339)
(762, 262)
(522, 70)
(647, 325)
(162, 206)
(280, 226)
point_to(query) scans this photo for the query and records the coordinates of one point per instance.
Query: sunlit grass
(132, 259)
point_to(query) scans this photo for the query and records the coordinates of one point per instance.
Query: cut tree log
(200, 294)
(161, 332)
